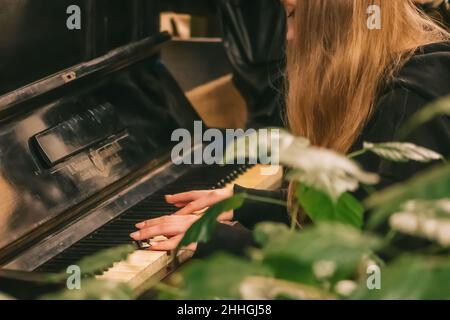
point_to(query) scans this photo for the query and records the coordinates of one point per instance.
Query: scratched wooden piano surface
(143, 268)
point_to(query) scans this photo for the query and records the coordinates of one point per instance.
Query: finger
(180, 204)
(161, 220)
(151, 222)
(159, 230)
(167, 245)
(197, 205)
(191, 208)
(186, 196)
(226, 216)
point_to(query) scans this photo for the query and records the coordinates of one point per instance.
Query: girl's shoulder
(422, 80)
(426, 73)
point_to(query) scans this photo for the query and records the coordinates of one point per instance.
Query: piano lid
(36, 42)
(73, 134)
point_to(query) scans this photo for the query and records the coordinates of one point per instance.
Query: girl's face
(290, 6)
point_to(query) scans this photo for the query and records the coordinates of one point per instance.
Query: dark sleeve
(231, 239)
(238, 238)
(254, 212)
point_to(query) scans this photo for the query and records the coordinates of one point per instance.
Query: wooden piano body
(85, 135)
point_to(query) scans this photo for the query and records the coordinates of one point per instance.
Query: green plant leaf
(433, 184)
(93, 289)
(321, 208)
(290, 268)
(97, 263)
(218, 277)
(261, 288)
(411, 278)
(292, 255)
(203, 228)
(439, 107)
(402, 152)
(264, 233)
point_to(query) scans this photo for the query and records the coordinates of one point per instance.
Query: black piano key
(105, 243)
(129, 220)
(144, 209)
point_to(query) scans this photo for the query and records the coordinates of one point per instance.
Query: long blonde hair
(336, 65)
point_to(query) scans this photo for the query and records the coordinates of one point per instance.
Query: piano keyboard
(143, 268)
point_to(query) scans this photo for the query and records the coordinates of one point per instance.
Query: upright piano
(86, 118)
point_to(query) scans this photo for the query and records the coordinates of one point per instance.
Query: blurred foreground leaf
(4, 296)
(319, 168)
(402, 152)
(320, 208)
(433, 184)
(261, 288)
(93, 289)
(97, 263)
(411, 278)
(326, 171)
(437, 108)
(273, 142)
(425, 219)
(202, 229)
(218, 277)
(306, 255)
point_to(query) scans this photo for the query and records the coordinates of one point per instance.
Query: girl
(348, 82)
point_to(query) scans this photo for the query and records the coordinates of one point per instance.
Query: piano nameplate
(96, 163)
(106, 157)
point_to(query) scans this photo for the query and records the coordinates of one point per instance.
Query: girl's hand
(198, 201)
(172, 227)
(175, 226)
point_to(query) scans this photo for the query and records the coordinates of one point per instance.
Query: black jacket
(257, 59)
(425, 78)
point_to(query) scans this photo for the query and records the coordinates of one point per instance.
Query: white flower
(345, 287)
(428, 207)
(326, 171)
(444, 205)
(324, 269)
(405, 222)
(412, 206)
(429, 227)
(426, 218)
(272, 143)
(318, 168)
(443, 233)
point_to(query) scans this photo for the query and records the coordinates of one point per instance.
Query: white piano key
(117, 276)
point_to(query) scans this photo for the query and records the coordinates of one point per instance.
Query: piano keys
(143, 268)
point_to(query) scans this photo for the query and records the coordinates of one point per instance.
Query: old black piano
(86, 118)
